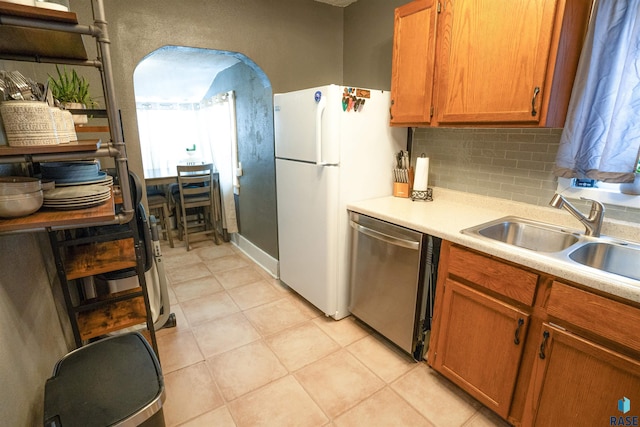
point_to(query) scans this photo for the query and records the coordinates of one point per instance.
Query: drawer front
(610, 319)
(505, 279)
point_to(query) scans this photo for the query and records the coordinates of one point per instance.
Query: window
(187, 133)
(193, 133)
(613, 194)
(171, 134)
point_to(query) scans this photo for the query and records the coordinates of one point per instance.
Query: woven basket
(28, 123)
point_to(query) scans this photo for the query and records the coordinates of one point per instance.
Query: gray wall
(368, 43)
(254, 111)
(31, 336)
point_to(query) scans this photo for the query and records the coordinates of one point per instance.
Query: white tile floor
(249, 352)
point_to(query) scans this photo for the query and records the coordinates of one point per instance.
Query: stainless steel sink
(532, 235)
(609, 255)
(617, 258)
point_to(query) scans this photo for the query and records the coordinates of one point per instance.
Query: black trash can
(116, 381)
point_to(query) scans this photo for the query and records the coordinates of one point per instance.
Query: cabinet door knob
(545, 336)
(536, 91)
(516, 339)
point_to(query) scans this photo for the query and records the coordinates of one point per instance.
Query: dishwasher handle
(410, 244)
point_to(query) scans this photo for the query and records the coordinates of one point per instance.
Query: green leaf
(70, 87)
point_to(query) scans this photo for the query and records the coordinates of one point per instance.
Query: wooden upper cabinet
(493, 60)
(413, 62)
(497, 62)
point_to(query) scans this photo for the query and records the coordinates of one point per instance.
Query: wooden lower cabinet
(481, 344)
(577, 382)
(577, 352)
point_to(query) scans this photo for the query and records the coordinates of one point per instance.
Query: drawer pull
(516, 340)
(545, 336)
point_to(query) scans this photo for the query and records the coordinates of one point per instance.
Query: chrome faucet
(592, 223)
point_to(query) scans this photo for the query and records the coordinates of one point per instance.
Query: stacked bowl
(19, 196)
(28, 123)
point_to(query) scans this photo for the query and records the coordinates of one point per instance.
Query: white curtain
(193, 133)
(601, 137)
(170, 134)
(218, 114)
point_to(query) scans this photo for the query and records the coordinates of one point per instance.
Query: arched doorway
(184, 80)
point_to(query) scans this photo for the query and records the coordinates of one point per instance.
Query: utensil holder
(401, 189)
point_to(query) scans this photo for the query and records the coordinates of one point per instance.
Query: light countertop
(452, 211)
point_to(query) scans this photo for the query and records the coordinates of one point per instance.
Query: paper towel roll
(421, 179)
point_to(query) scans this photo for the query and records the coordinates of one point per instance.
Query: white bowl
(20, 205)
(13, 185)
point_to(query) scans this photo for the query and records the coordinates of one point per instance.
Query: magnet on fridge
(317, 96)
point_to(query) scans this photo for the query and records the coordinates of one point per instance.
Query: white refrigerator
(330, 150)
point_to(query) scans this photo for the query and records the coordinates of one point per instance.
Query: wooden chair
(158, 203)
(197, 198)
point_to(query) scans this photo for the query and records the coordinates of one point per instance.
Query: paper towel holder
(424, 193)
(426, 196)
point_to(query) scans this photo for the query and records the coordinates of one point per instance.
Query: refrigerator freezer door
(307, 227)
(303, 128)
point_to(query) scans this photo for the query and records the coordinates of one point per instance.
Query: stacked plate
(76, 197)
(103, 179)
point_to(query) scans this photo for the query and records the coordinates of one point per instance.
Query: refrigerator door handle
(322, 103)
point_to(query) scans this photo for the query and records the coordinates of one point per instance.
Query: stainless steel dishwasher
(392, 280)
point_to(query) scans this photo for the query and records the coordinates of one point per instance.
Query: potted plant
(72, 91)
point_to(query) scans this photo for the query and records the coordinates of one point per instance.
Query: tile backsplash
(513, 164)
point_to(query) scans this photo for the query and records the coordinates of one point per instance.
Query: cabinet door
(480, 345)
(492, 60)
(413, 62)
(577, 382)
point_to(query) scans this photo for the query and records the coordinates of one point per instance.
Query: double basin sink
(605, 254)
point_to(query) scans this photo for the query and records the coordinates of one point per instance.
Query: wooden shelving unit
(88, 129)
(73, 147)
(91, 259)
(50, 219)
(112, 317)
(93, 241)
